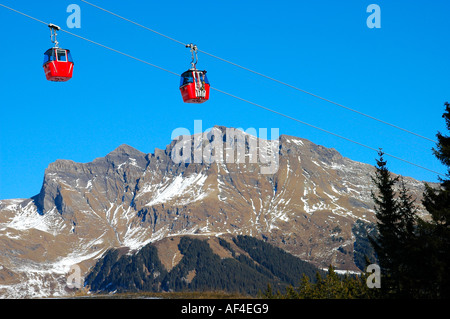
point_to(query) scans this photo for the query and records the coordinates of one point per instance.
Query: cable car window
(205, 78)
(69, 56)
(61, 54)
(48, 56)
(186, 79)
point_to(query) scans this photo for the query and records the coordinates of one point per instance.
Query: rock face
(299, 196)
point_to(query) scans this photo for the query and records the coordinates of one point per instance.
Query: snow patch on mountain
(29, 218)
(187, 189)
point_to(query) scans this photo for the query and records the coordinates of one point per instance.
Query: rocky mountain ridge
(307, 206)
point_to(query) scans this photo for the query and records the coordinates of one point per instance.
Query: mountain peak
(126, 149)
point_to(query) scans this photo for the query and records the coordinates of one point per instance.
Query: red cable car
(58, 63)
(194, 85)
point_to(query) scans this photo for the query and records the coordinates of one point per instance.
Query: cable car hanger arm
(194, 52)
(53, 33)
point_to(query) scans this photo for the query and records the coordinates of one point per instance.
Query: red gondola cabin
(194, 86)
(58, 65)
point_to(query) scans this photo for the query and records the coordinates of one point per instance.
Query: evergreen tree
(407, 211)
(332, 287)
(318, 288)
(291, 293)
(410, 242)
(305, 290)
(397, 243)
(386, 243)
(414, 253)
(437, 231)
(269, 292)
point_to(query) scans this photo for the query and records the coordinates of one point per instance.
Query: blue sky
(398, 73)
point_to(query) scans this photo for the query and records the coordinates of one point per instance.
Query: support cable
(266, 76)
(231, 95)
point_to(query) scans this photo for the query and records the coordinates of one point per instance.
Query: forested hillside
(252, 265)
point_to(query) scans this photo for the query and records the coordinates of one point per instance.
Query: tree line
(200, 269)
(330, 286)
(413, 253)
